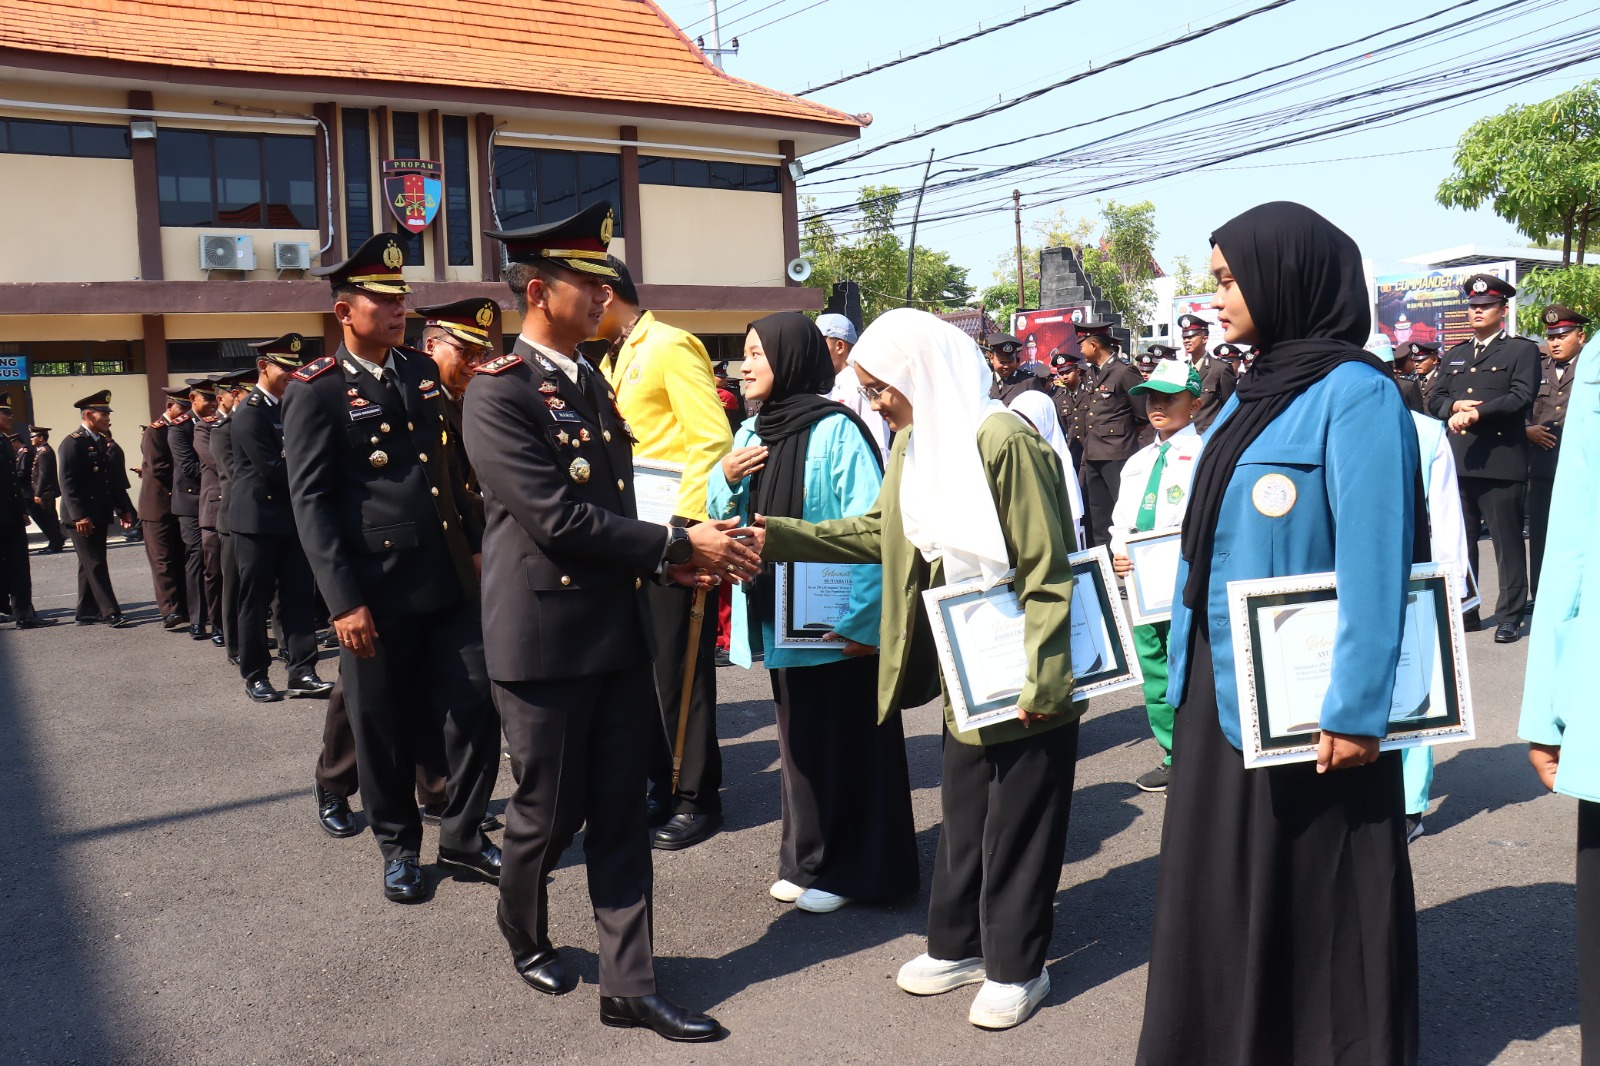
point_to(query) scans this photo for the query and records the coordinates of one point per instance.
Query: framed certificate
(1283, 635)
(811, 599)
(1155, 558)
(979, 637)
(655, 489)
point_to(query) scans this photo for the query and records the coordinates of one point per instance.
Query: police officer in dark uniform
(458, 337)
(163, 542)
(1217, 378)
(1565, 332)
(1425, 364)
(186, 508)
(1405, 376)
(232, 389)
(568, 624)
(204, 406)
(1011, 378)
(16, 579)
(1485, 394)
(1111, 427)
(46, 490)
(94, 493)
(1070, 395)
(379, 506)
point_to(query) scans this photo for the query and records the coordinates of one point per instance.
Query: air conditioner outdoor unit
(291, 255)
(227, 251)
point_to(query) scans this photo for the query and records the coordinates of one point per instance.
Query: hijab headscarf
(1036, 407)
(946, 505)
(1301, 278)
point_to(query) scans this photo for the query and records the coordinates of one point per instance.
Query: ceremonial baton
(697, 618)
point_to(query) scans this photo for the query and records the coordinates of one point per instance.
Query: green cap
(1170, 376)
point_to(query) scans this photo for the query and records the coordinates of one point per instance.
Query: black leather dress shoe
(174, 620)
(233, 660)
(308, 686)
(34, 622)
(116, 621)
(402, 881)
(686, 830)
(218, 640)
(80, 620)
(490, 823)
(656, 812)
(545, 972)
(333, 813)
(660, 1015)
(1471, 622)
(198, 632)
(484, 864)
(431, 813)
(1507, 632)
(261, 691)
(5, 617)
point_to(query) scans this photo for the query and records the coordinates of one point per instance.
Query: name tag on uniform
(358, 413)
(566, 416)
(1458, 362)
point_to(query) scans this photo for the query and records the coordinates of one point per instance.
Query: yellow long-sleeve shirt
(666, 391)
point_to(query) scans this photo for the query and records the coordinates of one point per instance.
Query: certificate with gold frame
(1283, 640)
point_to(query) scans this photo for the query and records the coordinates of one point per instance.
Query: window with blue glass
(535, 185)
(459, 235)
(356, 137)
(26, 136)
(706, 174)
(236, 180)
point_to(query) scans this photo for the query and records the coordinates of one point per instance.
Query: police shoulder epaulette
(154, 425)
(181, 419)
(313, 368)
(504, 362)
(254, 399)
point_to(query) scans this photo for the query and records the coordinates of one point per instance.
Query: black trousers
(1101, 480)
(16, 580)
(1498, 505)
(274, 565)
(163, 546)
(1589, 930)
(194, 570)
(1006, 808)
(230, 592)
(48, 520)
(211, 572)
(700, 780)
(583, 746)
(336, 762)
(1539, 491)
(427, 677)
(95, 597)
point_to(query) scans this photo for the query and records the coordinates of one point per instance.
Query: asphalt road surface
(167, 897)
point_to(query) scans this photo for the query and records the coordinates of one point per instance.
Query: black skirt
(847, 823)
(1285, 927)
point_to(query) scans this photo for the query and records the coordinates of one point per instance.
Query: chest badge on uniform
(1274, 495)
(562, 437)
(1175, 493)
(548, 388)
(379, 459)
(583, 435)
(633, 374)
(352, 392)
(580, 471)
(555, 403)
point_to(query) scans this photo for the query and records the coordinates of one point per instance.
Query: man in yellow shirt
(668, 396)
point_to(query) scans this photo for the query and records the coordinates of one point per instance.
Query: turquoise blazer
(842, 481)
(1558, 706)
(1348, 447)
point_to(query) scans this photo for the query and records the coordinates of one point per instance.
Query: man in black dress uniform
(16, 580)
(1217, 378)
(1070, 394)
(186, 508)
(163, 542)
(1425, 364)
(1011, 377)
(204, 404)
(46, 490)
(1405, 377)
(1485, 393)
(458, 337)
(568, 624)
(232, 390)
(1111, 427)
(1565, 332)
(379, 507)
(94, 493)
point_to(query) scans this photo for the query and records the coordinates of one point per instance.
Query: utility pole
(715, 49)
(911, 253)
(1022, 288)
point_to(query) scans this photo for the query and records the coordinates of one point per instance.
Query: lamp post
(911, 253)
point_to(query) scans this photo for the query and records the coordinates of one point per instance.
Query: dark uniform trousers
(194, 571)
(1498, 505)
(230, 591)
(336, 763)
(700, 779)
(1588, 878)
(16, 580)
(1540, 490)
(1006, 808)
(163, 546)
(49, 522)
(211, 576)
(272, 564)
(1102, 478)
(95, 597)
(597, 722)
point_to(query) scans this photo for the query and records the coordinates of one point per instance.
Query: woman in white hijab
(1040, 413)
(970, 493)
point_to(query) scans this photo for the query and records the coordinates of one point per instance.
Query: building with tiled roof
(180, 164)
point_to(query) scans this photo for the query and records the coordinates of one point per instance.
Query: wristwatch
(679, 549)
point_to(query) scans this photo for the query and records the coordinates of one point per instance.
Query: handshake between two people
(722, 551)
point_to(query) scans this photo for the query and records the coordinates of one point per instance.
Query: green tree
(1189, 281)
(871, 254)
(1000, 299)
(1538, 167)
(1578, 287)
(1123, 263)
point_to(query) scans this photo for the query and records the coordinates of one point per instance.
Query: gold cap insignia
(605, 229)
(294, 345)
(485, 316)
(393, 257)
(1552, 316)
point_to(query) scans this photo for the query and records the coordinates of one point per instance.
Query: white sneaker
(819, 902)
(928, 976)
(786, 891)
(1001, 1006)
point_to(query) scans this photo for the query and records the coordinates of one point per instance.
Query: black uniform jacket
(1217, 383)
(1021, 380)
(15, 490)
(1550, 411)
(92, 486)
(210, 479)
(565, 557)
(1411, 393)
(377, 501)
(1113, 419)
(185, 468)
(258, 493)
(469, 477)
(1505, 377)
(46, 482)
(155, 481)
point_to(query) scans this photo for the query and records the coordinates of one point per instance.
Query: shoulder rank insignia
(499, 364)
(312, 369)
(254, 399)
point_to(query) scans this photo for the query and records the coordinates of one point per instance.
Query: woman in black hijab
(848, 832)
(1285, 927)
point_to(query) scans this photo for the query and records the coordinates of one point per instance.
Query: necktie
(1152, 490)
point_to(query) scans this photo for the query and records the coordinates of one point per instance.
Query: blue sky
(1384, 201)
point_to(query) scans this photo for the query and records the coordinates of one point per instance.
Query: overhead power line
(780, 18)
(982, 31)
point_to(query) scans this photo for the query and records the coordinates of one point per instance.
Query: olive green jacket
(1026, 479)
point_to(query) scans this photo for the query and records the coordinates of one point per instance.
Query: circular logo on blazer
(580, 471)
(1274, 495)
(379, 459)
